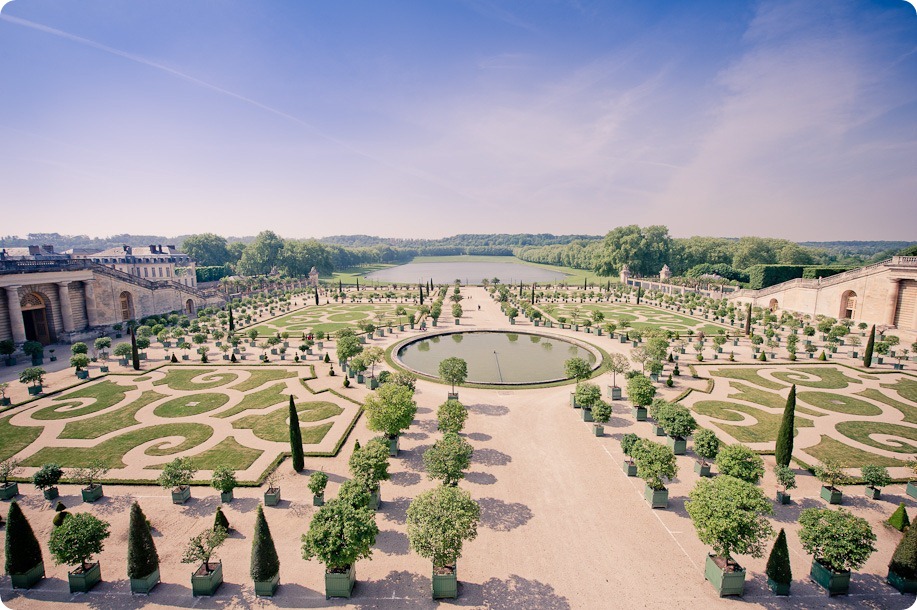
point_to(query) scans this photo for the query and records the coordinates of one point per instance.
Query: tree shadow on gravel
(480, 478)
(479, 437)
(401, 589)
(789, 513)
(490, 457)
(492, 410)
(514, 593)
(415, 436)
(405, 479)
(413, 458)
(866, 591)
(396, 510)
(391, 542)
(107, 505)
(502, 517)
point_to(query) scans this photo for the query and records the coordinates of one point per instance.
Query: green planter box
(393, 446)
(598, 429)
(143, 586)
(658, 498)
(50, 493)
(182, 495)
(630, 468)
(34, 390)
(340, 585)
(360, 378)
(445, 585)
(614, 392)
(658, 430)
(678, 445)
(831, 495)
(266, 588)
(82, 374)
(783, 497)
(9, 491)
(904, 585)
(28, 579)
(318, 499)
(272, 496)
(373, 383)
(702, 469)
(639, 413)
(226, 496)
(587, 415)
(103, 368)
(206, 584)
(872, 493)
(91, 494)
(452, 396)
(835, 583)
(778, 588)
(375, 499)
(911, 489)
(725, 583)
(83, 582)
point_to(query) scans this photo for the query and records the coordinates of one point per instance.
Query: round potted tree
(839, 542)
(34, 375)
(629, 444)
(142, 558)
(831, 475)
(369, 466)
(340, 534)
(678, 424)
(74, 542)
(46, 479)
(786, 479)
(317, 482)
(177, 475)
(4, 399)
(102, 345)
(89, 477)
(35, 350)
(123, 352)
(448, 458)
(655, 462)
(439, 521)
(706, 447)
(80, 362)
(902, 570)
(729, 515)
(778, 569)
(618, 365)
(390, 411)
(272, 493)
(601, 413)
(224, 481)
(208, 577)
(24, 563)
(265, 565)
(451, 416)
(7, 349)
(875, 477)
(453, 371)
(640, 391)
(740, 462)
(586, 395)
(8, 489)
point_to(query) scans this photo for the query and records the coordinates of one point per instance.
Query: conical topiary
(22, 549)
(762, 357)
(265, 564)
(784, 452)
(59, 517)
(899, 519)
(142, 558)
(778, 563)
(220, 520)
(60, 506)
(904, 560)
(296, 439)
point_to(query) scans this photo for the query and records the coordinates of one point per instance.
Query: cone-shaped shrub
(904, 560)
(142, 558)
(296, 439)
(784, 451)
(59, 518)
(870, 346)
(60, 506)
(220, 520)
(264, 564)
(22, 549)
(778, 563)
(899, 519)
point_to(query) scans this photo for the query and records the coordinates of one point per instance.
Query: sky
(427, 118)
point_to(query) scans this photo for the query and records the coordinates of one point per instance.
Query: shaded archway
(773, 305)
(127, 306)
(189, 307)
(35, 318)
(848, 305)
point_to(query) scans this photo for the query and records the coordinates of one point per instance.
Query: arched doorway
(127, 306)
(35, 317)
(773, 305)
(848, 305)
(189, 307)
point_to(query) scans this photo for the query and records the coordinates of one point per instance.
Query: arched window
(127, 306)
(848, 305)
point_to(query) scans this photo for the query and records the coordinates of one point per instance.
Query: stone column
(891, 304)
(92, 318)
(66, 310)
(17, 325)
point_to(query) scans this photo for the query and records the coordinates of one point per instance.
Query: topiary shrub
(264, 561)
(59, 518)
(142, 558)
(220, 520)
(778, 563)
(740, 462)
(60, 506)
(22, 550)
(899, 519)
(904, 560)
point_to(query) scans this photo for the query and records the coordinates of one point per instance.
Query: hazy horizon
(775, 118)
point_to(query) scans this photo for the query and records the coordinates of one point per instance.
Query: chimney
(34, 250)
(152, 248)
(170, 247)
(49, 248)
(127, 249)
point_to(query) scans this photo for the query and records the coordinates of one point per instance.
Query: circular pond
(496, 357)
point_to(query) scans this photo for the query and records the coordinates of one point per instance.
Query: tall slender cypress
(421, 294)
(135, 355)
(316, 295)
(340, 286)
(533, 293)
(232, 322)
(142, 558)
(870, 346)
(296, 439)
(748, 320)
(358, 284)
(22, 549)
(778, 563)
(784, 450)
(264, 563)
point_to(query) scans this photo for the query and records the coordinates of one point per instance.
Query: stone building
(153, 262)
(57, 298)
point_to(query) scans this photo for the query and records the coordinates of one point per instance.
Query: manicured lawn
(194, 404)
(100, 425)
(828, 378)
(906, 387)
(847, 456)
(106, 394)
(228, 452)
(764, 430)
(274, 426)
(749, 374)
(112, 451)
(861, 431)
(267, 397)
(313, 435)
(14, 439)
(839, 403)
(909, 411)
(180, 379)
(261, 376)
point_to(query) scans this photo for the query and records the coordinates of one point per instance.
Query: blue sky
(426, 118)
